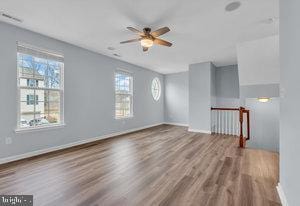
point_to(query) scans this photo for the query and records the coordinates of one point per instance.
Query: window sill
(123, 118)
(40, 128)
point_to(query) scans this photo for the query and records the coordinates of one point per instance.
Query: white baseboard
(199, 131)
(72, 144)
(177, 124)
(281, 195)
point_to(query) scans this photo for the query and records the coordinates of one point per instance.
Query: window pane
(50, 82)
(24, 66)
(52, 96)
(52, 106)
(123, 105)
(48, 118)
(40, 67)
(25, 120)
(27, 108)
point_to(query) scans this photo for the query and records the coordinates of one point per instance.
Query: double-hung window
(40, 87)
(123, 95)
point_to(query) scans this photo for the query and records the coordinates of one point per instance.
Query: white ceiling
(258, 61)
(201, 30)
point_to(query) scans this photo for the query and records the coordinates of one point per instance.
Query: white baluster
(222, 123)
(219, 120)
(226, 122)
(231, 122)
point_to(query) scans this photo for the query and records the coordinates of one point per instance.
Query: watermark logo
(16, 200)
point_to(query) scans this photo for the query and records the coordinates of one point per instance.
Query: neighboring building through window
(32, 82)
(123, 95)
(156, 89)
(40, 87)
(32, 100)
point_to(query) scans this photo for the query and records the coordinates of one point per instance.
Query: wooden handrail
(242, 111)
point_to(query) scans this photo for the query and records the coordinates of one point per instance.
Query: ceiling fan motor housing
(147, 30)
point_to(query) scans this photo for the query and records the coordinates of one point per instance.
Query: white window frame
(60, 90)
(122, 71)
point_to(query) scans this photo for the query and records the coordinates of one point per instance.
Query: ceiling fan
(148, 38)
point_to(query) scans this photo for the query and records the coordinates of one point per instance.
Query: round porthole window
(156, 89)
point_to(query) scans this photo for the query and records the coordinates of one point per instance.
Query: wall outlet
(8, 140)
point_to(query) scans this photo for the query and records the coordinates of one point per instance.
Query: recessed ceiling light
(233, 6)
(111, 48)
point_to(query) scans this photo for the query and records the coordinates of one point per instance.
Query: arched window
(156, 89)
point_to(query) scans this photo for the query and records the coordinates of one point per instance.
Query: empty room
(139, 103)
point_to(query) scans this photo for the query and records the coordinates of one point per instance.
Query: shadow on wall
(264, 123)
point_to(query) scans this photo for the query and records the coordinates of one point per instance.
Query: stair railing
(230, 121)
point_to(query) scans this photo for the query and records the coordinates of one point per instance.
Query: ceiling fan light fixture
(147, 43)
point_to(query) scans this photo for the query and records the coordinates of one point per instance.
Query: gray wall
(260, 90)
(213, 88)
(224, 92)
(200, 96)
(227, 82)
(177, 98)
(227, 86)
(89, 95)
(264, 119)
(290, 100)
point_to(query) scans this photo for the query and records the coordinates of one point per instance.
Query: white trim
(40, 128)
(281, 195)
(199, 131)
(40, 49)
(72, 144)
(177, 124)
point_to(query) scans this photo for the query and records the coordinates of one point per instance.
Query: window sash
(50, 73)
(123, 107)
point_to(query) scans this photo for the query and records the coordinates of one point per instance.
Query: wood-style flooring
(164, 165)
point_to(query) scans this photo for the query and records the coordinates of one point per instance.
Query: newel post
(241, 127)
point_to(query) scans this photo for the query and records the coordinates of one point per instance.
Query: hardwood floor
(164, 165)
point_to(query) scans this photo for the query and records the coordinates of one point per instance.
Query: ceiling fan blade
(145, 49)
(160, 31)
(135, 30)
(162, 42)
(132, 40)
